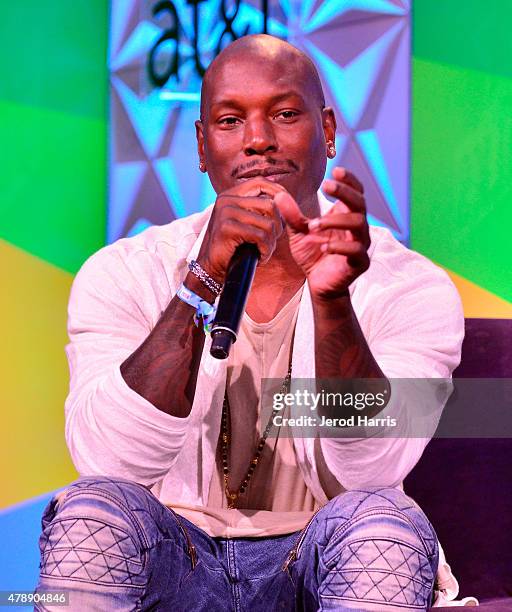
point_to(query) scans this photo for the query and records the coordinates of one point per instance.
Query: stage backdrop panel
(157, 56)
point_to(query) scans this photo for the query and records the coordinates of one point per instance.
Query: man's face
(264, 117)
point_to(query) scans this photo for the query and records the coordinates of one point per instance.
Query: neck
(310, 207)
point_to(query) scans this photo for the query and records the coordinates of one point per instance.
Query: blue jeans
(113, 546)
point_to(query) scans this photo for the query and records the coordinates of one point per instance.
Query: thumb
(290, 212)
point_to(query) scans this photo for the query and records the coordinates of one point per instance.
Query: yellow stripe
(33, 453)
(480, 303)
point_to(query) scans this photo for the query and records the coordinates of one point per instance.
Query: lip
(268, 172)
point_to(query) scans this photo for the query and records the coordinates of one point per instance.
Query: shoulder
(139, 273)
(394, 264)
(405, 286)
(157, 245)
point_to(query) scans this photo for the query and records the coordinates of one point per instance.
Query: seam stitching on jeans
(94, 551)
(130, 513)
(109, 584)
(385, 571)
(342, 597)
(338, 533)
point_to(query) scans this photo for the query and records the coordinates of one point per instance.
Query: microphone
(233, 298)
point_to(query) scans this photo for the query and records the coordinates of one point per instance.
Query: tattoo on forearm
(164, 368)
(341, 350)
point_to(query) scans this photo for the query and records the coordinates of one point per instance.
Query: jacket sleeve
(110, 429)
(416, 331)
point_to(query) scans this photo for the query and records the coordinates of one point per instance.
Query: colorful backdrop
(446, 194)
(53, 130)
(461, 207)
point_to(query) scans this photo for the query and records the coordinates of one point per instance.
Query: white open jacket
(408, 309)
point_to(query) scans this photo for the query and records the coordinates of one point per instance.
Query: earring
(331, 150)
(202, 166)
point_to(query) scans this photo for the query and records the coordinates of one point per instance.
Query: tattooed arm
(341, 350)
(174, 345)
(332, 250)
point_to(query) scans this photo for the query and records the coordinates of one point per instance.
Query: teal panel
(468, 33)
(53, 183)
(53, 54)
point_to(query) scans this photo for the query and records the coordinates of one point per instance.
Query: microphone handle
(233, 298)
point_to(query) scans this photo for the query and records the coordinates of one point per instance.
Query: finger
(270, 224)
(255, 187)
(348, 195)
(345, 176)
(355, 252)
(344, 247)
(291, 213)
(238, 233)
(348, 221)
(262, 206)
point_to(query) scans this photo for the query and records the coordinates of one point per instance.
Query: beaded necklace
(233, 496)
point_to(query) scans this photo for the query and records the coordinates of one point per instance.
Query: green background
(461, 209)
(53, 128)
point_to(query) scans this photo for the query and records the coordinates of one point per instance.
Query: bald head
(262, 47)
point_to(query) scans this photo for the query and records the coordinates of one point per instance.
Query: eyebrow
(238, 102)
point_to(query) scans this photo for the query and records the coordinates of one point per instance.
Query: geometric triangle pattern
(360, 47)
(380, 571)
(88, 549)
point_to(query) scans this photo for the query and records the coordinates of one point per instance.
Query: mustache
(284, 164)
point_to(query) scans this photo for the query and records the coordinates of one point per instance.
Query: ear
(329, 126)
(200, 143)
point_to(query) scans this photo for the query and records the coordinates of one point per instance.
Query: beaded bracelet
(204, 277)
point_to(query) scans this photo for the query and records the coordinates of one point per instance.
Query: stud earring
(331, 150)
(202, 166)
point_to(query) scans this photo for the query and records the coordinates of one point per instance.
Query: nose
(259, 137)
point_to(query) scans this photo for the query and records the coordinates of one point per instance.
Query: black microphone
(233, 299)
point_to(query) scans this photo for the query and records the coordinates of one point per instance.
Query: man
(257, 523)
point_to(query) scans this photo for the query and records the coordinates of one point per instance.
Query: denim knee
(379, 513)
(101, 530)
(381, 550)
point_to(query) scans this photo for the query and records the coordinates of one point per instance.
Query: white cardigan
(408, 309)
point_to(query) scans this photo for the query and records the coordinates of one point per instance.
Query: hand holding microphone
(233, 299)
(244, 228)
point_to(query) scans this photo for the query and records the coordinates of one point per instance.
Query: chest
(266, 302)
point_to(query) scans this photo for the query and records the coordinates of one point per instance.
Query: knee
(128, 512)
(380, 514)
(383, 547)
(90, 531)
(100, 496)
(369, 499)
